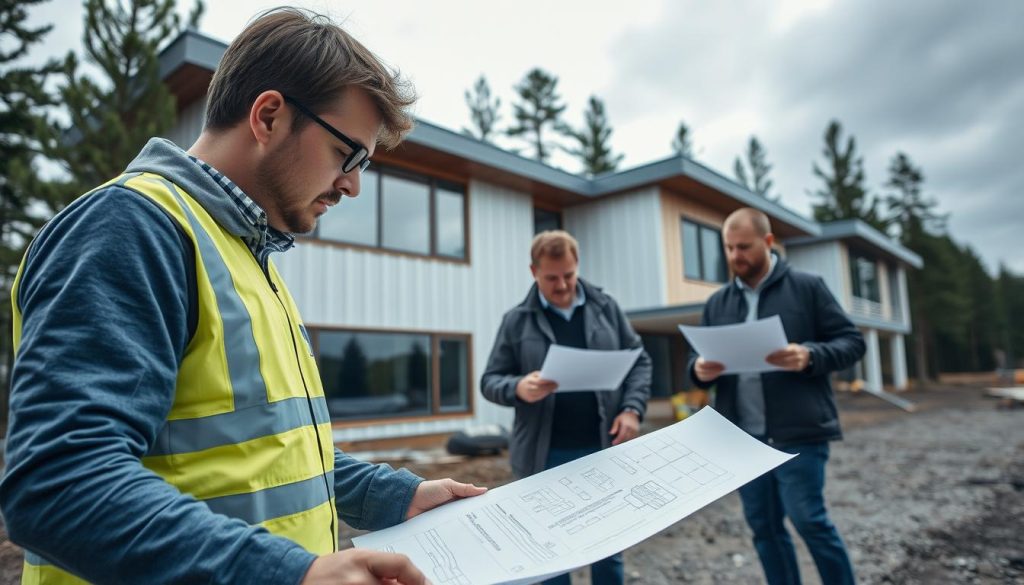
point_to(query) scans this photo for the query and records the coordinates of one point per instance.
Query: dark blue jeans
(607, 571)
(795, 490)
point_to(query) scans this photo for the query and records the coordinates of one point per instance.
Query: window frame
(432, 183)
(436, 413)
(855, 281)
(701, 227)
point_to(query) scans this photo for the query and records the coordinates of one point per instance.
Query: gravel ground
(936, 496)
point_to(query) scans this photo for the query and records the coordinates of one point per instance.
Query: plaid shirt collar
(269, 239)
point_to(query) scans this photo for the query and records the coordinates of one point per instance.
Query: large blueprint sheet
(583, 511)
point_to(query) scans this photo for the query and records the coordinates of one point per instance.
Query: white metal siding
(347, 287)
(621, 246)
(189, 125)
(824, 260)
(903, 297)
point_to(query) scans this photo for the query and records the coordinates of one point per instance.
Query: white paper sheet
(577, 370)
(583, 511)
(741, 347)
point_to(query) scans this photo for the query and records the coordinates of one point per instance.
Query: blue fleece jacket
(107, 299)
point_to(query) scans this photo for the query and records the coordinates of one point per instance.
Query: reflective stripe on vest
(249, 432)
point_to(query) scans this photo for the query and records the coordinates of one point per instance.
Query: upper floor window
(864, 277)
(703, 257)
(402, 211)
(544, 220)
(371, 374)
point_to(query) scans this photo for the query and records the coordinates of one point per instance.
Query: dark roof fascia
(474, 150)
(680, 165)
(849, 229)
(191, 47)
(670, 311)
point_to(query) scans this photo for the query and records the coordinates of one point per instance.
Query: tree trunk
(921, 350)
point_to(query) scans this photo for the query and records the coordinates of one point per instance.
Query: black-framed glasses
(358, 158)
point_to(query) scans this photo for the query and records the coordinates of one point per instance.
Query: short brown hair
(309, 58)
(553, 244)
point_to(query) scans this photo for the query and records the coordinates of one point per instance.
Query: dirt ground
(934, 496)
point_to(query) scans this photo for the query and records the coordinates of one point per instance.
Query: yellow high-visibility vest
(249, 433)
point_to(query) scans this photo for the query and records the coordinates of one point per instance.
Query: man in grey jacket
(551, 429)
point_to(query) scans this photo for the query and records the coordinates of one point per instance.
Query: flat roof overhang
(665, 320)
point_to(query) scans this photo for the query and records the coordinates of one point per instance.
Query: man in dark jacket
(792, 409)
(551, 429)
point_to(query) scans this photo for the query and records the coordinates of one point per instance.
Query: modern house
(867, 272)
(403, 288)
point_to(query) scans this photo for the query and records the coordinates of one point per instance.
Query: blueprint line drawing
(583, 511)
(445, 569)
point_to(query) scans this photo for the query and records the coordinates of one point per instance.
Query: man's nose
(348, 183)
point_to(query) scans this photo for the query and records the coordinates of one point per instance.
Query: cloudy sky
(940, 80)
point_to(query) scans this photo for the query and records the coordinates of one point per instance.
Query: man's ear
(268, 117)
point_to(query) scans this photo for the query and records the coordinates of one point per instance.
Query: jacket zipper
(309, 399)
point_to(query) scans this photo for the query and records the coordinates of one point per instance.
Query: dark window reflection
(375, 374)
(454, 370)
(450, 219)
(406, 215)
(354, 219)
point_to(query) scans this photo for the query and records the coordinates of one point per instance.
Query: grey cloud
(926, 77)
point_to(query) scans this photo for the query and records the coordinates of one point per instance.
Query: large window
(864, 276)
(402, 211)
(703, 258)
(368, 374)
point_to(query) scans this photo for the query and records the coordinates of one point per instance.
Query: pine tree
(681, 144)
(539, 107)
(1009, 291)
(593, 149)
(844, 195)
(111, 119)
(23, 100)
(909, 211)
(483, 111)
(759, 169)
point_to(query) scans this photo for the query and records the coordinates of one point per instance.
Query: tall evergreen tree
(757, 181)
(1009, 307)
(23, 101)
(844, 195)
(113, 117)
(109, 119)
(921, 230)
(591, 140)
(980, 334)
(681, 144)
(909, 211)
(539, 107)
(483, 110)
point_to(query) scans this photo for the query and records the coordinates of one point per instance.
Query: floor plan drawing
(599, 479)
(546, 500)
(623, 465)
(580, 492)
(583, 511)
(444, 568)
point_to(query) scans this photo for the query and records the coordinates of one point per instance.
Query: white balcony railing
(867, 308)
